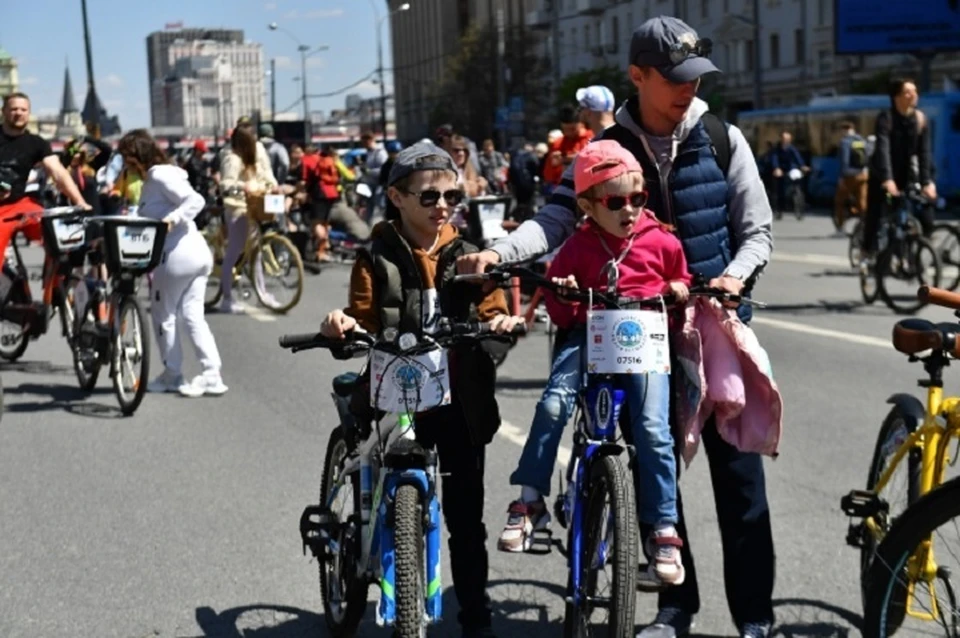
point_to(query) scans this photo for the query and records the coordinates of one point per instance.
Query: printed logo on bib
(628, 334)
(408, 377)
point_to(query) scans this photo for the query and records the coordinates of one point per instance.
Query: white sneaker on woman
(204, 384)
(166, 382)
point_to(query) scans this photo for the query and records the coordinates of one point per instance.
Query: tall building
(9, 80)
(424, 39)
(160, 64)
(797, 58)
(69, 120)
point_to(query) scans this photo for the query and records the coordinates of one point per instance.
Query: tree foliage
(468, 96)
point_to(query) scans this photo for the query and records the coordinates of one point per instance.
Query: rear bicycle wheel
(215, 242)
(946, 240)
(610, 539)
(902, 267)
(855, 249)
(130, 365)
(276, 271)
(14, 289)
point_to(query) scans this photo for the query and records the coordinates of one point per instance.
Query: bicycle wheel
(212, 233)
(344, 594)
(13, 338)
(904, 266)
(86, 357)
(68, 320)
(799, 204)
(410, 568)
(277, 273)
(609, 538)
(901, 490)
(131, 350)
(855, 250)
(904, 576)
(946, 240)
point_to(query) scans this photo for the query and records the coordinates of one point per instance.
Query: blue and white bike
(378, 520)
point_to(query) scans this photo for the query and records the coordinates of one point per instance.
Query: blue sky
(41, 34)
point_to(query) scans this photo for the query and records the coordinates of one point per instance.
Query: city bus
(816, 134)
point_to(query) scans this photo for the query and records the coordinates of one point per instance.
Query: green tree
(468, 97)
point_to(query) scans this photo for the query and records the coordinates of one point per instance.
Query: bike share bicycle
(596, 480)
(905, 258)
(391, 533)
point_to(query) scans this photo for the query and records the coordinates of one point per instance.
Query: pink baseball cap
(602, 161)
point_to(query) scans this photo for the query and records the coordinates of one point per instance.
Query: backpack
(858, 153)
(719, 139)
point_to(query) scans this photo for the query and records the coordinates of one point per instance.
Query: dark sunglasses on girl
(616, 202)
(429, 198)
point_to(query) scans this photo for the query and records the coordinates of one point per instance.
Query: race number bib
(273, 204)
(627, 342)
(409, 384)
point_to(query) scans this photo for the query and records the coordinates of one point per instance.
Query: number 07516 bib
(627, 342)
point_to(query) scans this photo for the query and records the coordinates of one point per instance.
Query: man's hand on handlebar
(336, 324)
(505, 323)
(930, 191)
(729, 284)
(477, 264)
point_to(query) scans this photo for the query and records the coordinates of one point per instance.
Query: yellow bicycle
(270, 262)
(904, 586)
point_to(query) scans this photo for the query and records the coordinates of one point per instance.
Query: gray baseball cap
(673, 48)
(422, 156)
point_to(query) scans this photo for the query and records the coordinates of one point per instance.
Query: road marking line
(259, 315)
(515, 435)
(823, 332)
(810, 258)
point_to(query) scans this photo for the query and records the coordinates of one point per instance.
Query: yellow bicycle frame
(941, 423)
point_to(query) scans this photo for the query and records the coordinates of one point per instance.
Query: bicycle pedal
(317, 525)
(862, 504)
(857, 536)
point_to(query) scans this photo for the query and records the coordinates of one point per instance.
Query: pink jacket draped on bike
(723, 370)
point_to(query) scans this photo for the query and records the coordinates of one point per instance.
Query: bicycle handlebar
(939, 297)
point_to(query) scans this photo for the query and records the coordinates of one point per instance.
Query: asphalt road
(182, 520)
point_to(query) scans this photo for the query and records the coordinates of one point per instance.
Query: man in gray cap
(702, 179)
(279, 158)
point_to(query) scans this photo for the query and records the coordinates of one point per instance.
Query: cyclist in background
(851, 194)
(785, 158)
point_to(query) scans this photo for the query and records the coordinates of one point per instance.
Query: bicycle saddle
(911, 336)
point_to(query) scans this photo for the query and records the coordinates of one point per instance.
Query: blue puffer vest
(698, 202)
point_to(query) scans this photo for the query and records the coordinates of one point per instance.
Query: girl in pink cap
(624, 244)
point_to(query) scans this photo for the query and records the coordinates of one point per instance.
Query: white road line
(811, 258)
(259, 315)
(515, 435)
(823, 332)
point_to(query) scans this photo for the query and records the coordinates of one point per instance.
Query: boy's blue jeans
(648, 404)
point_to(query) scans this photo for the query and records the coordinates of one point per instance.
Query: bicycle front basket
(63, 233)
(133, 244)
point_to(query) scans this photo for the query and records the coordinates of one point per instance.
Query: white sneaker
(231, 307)
(203, 384)
(166, 382)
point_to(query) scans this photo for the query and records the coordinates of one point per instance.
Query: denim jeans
(647, 402)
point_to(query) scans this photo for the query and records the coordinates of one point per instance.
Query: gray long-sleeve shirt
(751, 219)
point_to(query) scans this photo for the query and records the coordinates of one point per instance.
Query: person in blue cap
(703, 180)
(596, 107)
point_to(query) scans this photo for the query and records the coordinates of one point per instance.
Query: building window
(775, 51)
(800, 46)
(586, 37)
(614, 42)
(825, 62)
(749, 55)
(822, 10)
(704, 8)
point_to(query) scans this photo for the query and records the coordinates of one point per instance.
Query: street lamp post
(273, 89)
(305, 52)
(383, 87)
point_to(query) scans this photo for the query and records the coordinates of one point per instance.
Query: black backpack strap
(719, 138)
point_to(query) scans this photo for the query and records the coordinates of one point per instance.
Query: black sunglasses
(616, 202)
(431, 197)
(680, 51)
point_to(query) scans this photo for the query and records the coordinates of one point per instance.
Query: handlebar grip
(939, 297)
(301, 340)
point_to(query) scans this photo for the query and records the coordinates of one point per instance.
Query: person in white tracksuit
(180, 280)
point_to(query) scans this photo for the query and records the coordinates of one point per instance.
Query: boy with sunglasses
(405, 282)
(622, 248)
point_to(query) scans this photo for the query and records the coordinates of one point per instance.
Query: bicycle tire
(410, 571)
(129, 404)
(211, 234)
(883, 272)
(280, 240)
(607, 474)
(65, 310)
(799, 203)
(87, 379)
(893, 431)
(341, 623)
(855, 248)
(951, 283)
(16, 350)
(916, 524)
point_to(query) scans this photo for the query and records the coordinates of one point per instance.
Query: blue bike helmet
(394, 146)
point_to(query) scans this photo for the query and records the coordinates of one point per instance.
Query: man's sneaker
(522, 521)
(203, 384)
(166, 382)
(230, 307)
(663, 550)
(671, 622)
(755, 630)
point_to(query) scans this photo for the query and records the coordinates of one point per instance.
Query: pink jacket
(723, 370)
